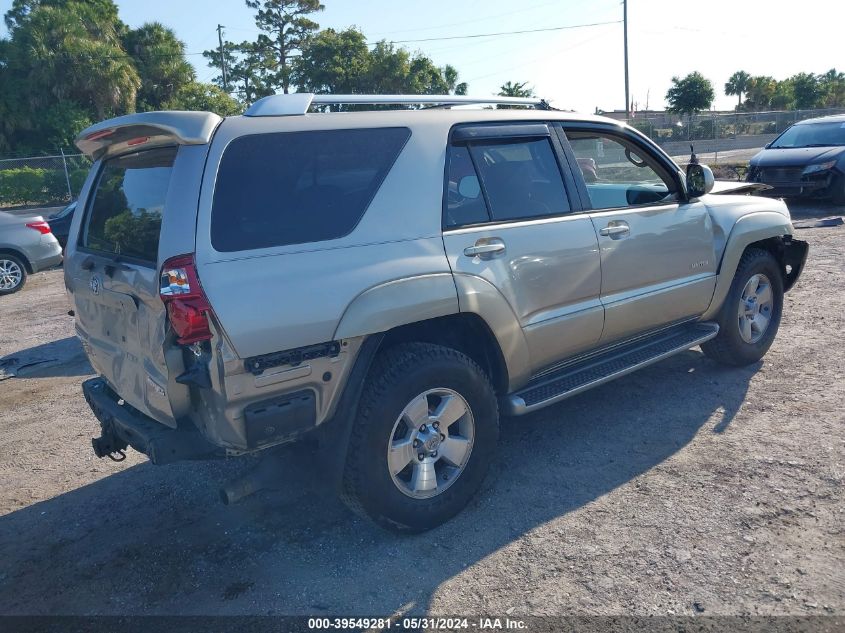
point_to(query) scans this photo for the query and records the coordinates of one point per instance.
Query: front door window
(617, 173)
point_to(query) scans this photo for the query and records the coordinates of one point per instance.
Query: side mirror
(700, 180)
(469, 187)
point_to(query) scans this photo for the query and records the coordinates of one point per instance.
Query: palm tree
(450, 75)
(737, 85)
(159, 57)
(514, 89)
(511, 89)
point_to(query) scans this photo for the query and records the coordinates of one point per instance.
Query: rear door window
(297, 187)
(464, 202)
(521, 178)
(124, 218)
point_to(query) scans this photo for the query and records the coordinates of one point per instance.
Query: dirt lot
(686, 488)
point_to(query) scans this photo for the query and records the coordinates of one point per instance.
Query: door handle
(485, 249)
(616, 230)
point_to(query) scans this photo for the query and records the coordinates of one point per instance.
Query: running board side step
(597, 369)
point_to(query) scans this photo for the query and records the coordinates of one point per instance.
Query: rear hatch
(137, 209)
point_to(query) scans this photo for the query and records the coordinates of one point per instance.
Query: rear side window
(125, 214)
(298, 187)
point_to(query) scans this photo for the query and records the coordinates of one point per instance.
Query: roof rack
(298, 103)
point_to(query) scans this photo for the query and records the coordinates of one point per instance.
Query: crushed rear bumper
(123, 426)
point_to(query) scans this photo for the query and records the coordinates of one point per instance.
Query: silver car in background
(27, 245)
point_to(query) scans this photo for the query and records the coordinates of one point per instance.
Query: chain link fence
(720, 131)
(42, 180)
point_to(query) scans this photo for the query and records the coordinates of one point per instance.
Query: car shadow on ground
(155, 540)
(64, 357)
(800, 209)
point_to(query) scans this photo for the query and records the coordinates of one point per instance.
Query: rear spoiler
(147, 129)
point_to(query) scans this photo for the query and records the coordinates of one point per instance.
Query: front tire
(423, 439)
(12, 274)
(750, 317)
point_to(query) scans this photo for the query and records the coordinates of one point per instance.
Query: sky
(579, 68)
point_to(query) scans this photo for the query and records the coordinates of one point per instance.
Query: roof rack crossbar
(298, 103)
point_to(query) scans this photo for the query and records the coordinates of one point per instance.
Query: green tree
(514, 89)
(450, 74)
(62, 66)
(691, 94)
(334, 62)
(832, 85)
(340, 62)
(204, 97)
(807, 90)
(759, 92)
(286, 30)
(736, 85)
(159, 57)
(246, 65)
(784, 95)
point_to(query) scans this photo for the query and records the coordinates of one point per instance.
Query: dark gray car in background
(807, 160)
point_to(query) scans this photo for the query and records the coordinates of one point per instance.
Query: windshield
(812, 135)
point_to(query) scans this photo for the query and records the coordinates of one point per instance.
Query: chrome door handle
(482, 249)
(615, 230)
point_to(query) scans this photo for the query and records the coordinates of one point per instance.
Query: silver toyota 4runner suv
(392, 281)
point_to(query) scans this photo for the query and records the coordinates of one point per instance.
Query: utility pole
(226, 79)
(625, 31)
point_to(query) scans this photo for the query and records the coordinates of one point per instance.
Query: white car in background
(27, 245)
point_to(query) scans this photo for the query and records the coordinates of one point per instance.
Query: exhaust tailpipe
(266, 474)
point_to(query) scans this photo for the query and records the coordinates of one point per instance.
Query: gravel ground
(686, 488)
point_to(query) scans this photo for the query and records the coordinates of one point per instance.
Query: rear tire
(750, 316)
(423, 438)
(12, 274)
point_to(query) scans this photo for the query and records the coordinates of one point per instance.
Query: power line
(501, 33)
(486, 17)
(147, 55)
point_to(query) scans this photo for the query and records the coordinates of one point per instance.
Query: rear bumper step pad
(617, 361)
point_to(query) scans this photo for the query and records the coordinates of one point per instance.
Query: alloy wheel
(755, 308)
(431, 443)
(10, 274)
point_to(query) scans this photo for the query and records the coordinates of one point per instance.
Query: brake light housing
(41, 226)
(188, 308)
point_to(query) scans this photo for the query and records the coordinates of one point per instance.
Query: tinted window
(296, 187)
(464, 201)
(521, 178)
(125, 215)
(617, 172)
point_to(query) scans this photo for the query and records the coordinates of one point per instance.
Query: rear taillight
(42, 227)
(186, 303)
